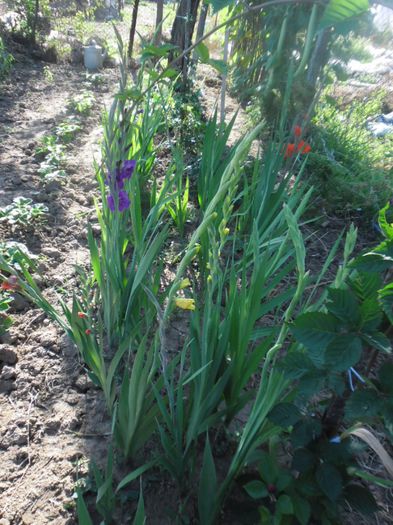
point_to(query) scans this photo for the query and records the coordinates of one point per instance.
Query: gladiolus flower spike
(290, 150)
(297, 131)
(185, 304)
(117, 181)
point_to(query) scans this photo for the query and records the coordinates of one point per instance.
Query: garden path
(50, 414)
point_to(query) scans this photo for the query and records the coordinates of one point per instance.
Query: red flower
(303, 147)
(297, 131)
(88, 331)
(290, 150)
(10, 284)
(82, 315)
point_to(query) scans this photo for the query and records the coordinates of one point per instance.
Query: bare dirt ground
(50, 415)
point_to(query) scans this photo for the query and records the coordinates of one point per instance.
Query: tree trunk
(182, 31)
(201, 25)
(132, 28)
(35, 21)
(159, 18)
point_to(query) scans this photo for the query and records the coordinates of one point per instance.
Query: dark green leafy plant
(351, 169)
(6, 60)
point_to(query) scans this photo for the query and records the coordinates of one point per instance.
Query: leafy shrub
(6, 60)
(351, 168)
(29, 11)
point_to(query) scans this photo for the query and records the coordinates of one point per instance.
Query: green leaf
(385, 226)
(203, 52)
(338, 11)
(361, 499)
(295, 364)
(207, 486)
(315, 330)
(378, 340)
(285, 415)
(131, 93)
(256, 489)
(156, 51)
(329, 480)
(385, 298)
(84, 517)
(136, 473)
(343, 304)
(386, 483)
(371, 314)
(220, 4)
(303, 460)
(284, 505)
(268, 468)
(365, 285)
(219, 65)
(377, 260)
(140, 516)
(385, 376)
(301, 509)
(343, 352)
(305, 432)
(362, 404)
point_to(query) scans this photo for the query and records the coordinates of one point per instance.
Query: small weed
(48, 75)
(5, 320)
(67, 129)
(23, 211)
(82, 103)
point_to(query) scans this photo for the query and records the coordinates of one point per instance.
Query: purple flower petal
(111, 202)
(124, 201)
(128, 169)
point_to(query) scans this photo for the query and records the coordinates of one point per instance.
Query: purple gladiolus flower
(117, 181)
(124, 201)
(111, 202)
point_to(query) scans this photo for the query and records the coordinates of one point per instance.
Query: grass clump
(351, 168)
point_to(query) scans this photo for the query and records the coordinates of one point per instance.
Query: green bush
(351, 168)
(6, 60)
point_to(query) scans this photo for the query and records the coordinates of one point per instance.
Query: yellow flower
(185, 283)
(185, 304)
(226, 231)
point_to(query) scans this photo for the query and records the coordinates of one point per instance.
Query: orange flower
(303, 147)
(10, 284)
(82, 315)
(88, 331)
(290, 150)
(297, 131)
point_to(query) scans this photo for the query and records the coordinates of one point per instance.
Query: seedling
(23, 211)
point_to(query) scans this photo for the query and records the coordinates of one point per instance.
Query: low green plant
(5, 319)
(48, 75)
(178, 208)
(83, 103)
(66, 130)
(23, 211)
(6, 60)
